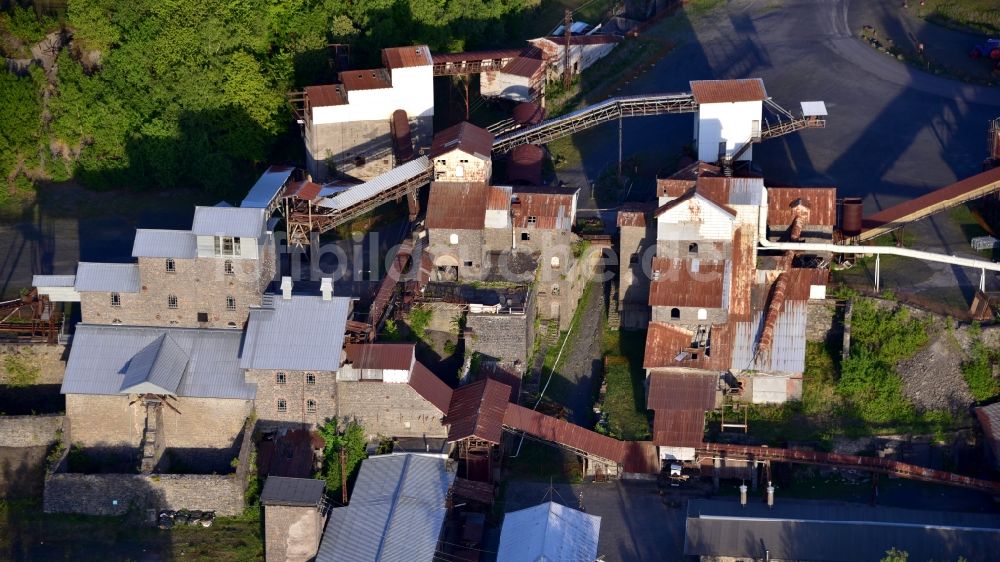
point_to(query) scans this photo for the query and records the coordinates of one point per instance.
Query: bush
(978, 371)
(419, 320)
(20, 372)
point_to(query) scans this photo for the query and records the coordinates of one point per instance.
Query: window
(310, 378)
(555, 290)
(230, 303)
(702, 314)
(459, 171)
(525, 236)
(693, 248)
(232, 324)
(227, 246)
(442, 161)
(468, 264)
(116, 300)
(675, 313)
(311, 406)
(439, 175)
(280, 378)
(202, 317)
(116, 321)
(532, 220)
(453, 239)
(633, 259)
(171, 301)
(171, 266)
(555, 262)
(282, 406)
(227, 267)
(464, 161)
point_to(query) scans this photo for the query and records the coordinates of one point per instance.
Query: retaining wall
(116, 494)
(29, 431)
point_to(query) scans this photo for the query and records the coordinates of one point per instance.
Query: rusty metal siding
(728, 91)
(821, 202)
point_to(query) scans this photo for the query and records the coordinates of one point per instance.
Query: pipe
(770, 495)
(743, 495)
(888, 250)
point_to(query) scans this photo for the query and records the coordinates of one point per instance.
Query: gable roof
(155, 243)
(392, 356)
(405, 57)
(689, 282)
(465, 137)
(457, 205)
(430, 387)
(664, 342)
(821, 202)
(156, 368)
(725, 91)
(304, 333)
(243, 222)
(549, 531)
(101, 356)
(692, 194)
(552, 209)
(396, 512)
(477, 410)
(682, 391)
(107, 277)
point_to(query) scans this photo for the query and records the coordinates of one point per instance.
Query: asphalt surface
(894, 132)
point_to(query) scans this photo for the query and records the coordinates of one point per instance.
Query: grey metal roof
(377, 185)
(304, 333)
(746, 191)
(100, 358)
(279, 490)
(828, 531)
(158, 368)
(549, 531)
(263, 192)
(107, 277)
(788, 349)
(396, 511)
(53, 280)
(155, 243)
(228, 221)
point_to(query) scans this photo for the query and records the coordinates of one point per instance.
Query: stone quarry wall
(29, 431)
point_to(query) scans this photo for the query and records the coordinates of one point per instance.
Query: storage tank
(850, 216)
(402, 143)
(525, 164)
(528, 113)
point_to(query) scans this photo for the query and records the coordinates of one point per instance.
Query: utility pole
(567, 23)
(343, 476)
(619, 147)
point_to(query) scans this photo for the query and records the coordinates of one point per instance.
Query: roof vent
(326, 287)
(286, 288)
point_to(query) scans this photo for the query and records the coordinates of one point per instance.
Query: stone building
(461, 153)
(293, 518)
(635, 248)
(584, 51)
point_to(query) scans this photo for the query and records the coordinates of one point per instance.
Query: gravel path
(581, 360)
(932, 379)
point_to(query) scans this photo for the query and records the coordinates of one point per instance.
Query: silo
(528, 113)
(850, 216)
(525, 164)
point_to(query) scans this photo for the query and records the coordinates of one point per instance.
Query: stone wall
(50, 360)
(503, 337)
(390, 409)
(29, 431)
(338, 144)
(116, 494)
(297, 393)
(200, 285)
(821, 321)
(443, 316)
(460, 166)
(468, 250)
(291, 533)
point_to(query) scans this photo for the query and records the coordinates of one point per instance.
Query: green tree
(893, 555)
(352, 441)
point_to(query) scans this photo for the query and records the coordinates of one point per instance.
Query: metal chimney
(326, 287)
(743, 495)
(286, 288)
(770, 495)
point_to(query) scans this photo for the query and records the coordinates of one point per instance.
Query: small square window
(171, 301)
(279, 378)
(116, 300)
(311, 406)
(230, 303)
(468, 264)
(227, 267)
(532, 220)
(203, 317)
(282, 406)
(171, 266)
(525, 236)
(310, 378)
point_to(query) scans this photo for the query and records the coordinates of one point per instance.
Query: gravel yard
(932, 379)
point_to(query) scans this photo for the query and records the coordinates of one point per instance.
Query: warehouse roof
(303, 492)
(107, 277)
(229, 221)
(828, 531)
(106, 359)
(477, 410)
(549, 531)
(455, 205)
(304, 333)
(724, 91)
(678, 428)
(156, 243)
(551, 208)
(396, 512)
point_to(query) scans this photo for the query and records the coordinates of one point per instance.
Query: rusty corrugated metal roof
(367, 79)
(430, 387)
(455, 205)
(634, 218)
(800, 279)
(726, 91)
(465, 137)
(687, 282)
(743, 272)
(524, 66)
(679, 428)
(641, 457)
(392, 356)
(477, 410)
(305, 190)
(821, 202)
(691, 194)
(682, 391)
(559, 431)
(326, 95)
(953, 191)
(403, 57)
(498, 198)
(551, 208)
(664, 342)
